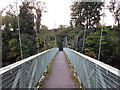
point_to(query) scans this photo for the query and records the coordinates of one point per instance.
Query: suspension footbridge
(28, 72)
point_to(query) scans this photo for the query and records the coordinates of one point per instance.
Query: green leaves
(14, 48)
(86, 12)
(110, 46)
(28, 45)
(26, 19)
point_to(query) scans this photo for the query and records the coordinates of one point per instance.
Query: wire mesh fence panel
(93, 73)
(27, 72)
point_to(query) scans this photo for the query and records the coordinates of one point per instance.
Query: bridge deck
(60, 76)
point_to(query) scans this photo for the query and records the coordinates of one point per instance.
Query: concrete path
(60, 76)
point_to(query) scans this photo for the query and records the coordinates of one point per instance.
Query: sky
(58, 12)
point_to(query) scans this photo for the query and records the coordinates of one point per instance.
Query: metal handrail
(27, 72)
(93, 73)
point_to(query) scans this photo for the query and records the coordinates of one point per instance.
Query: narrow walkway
(60, 76)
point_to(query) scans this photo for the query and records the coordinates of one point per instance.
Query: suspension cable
(66, 40)
(76, 42)
(37, 37)
(45, 43)
(100, 44)
(84, 38)
(55, 41)
(0, 39)
(18, 21)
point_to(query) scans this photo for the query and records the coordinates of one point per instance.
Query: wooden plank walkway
(60, 76)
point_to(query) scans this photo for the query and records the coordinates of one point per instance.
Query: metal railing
(93, 73)
(27, 72)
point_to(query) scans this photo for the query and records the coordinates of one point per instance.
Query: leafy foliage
(85, 12)
(26, 19)
(10, 36)
(110, 52)
(110, 43)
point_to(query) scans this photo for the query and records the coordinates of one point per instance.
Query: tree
(9, 24)
(92, 44)
(26, 19)
(39, 9)
(86, 13)
(14, 49)
(114, 8)
(9, 38)
(28, 45)
(62, 27)
(76, 13)
(43, 27)
(30, 15)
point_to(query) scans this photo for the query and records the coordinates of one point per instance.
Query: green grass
(73, 77)
(41, 83)
(47, 73)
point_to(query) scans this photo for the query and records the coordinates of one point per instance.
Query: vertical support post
(21, 76)
(66, 41)
(0, 46)
(37, 37)
(76, 42)
(86, 74)
(100, 44)
(101, 33)
(44, 45)
(37, 41)
(101, 78)
(33, 73)
(55, 42)
(84, 39)
(16, 79)
(0, 38)
(19, 31)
